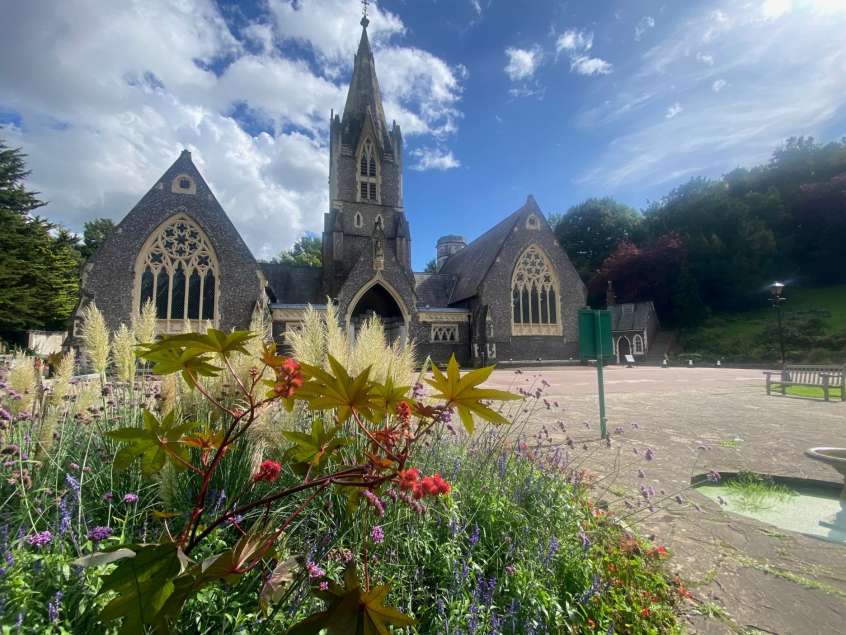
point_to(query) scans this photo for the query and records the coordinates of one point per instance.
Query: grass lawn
(750, 335)
(813, 392)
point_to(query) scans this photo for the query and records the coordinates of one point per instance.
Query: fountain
(836, 458)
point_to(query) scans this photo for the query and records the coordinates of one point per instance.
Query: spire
(364, 97)
(364, 20)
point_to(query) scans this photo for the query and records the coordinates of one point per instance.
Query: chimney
(610, 298)
(448, 245)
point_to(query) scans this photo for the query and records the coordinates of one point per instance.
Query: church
(510, 294)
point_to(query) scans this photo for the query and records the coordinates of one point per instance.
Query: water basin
(806, 506)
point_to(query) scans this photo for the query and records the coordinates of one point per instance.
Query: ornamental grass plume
(169, 393)
(123, 344)
(337, 340)
(309, 342)
(95, 339)
(144, 326)
(22, 380)
(62, 379)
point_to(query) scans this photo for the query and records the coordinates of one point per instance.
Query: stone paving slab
(750, 577)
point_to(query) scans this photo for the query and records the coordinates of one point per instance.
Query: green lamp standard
(776, 299)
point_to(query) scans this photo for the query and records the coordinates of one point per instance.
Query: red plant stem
(372, 438)
(269, 499)
(270, 541)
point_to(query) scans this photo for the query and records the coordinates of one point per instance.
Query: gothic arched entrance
(624, 348)
(378, 300)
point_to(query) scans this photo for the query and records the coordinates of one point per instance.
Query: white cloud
(574, 40)
(123, 87)
(577, 43)
(644, 24)
(434, 159)
(584, 65)
(476, 7)
(786, 79)
(706, 59)
(522, 63)
(673, 110)
(774, 9)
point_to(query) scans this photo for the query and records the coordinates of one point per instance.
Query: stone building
(634, 326)
(510, 294)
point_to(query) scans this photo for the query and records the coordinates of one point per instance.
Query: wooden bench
(825, 377)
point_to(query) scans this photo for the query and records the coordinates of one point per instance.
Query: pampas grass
(144, 326)
(321, 336)
(95, 339)
(22, 379)
(123, 345)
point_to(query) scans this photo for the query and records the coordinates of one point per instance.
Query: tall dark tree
(590, 231)
(95, 233)
(39, 263)
(658, 272)
(307, 251)
(729, 250)
(431, 266)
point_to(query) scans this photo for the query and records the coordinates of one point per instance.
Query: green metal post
(600, 354)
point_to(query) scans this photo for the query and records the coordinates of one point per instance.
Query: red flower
(645, 611)
(441, 484)
(591, 624)
(289, 378)
(408, 478)
(403, 411)
(268, 471)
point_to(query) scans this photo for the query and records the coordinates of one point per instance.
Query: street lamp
(776, 299)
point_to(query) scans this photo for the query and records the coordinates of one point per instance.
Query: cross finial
(364, 20)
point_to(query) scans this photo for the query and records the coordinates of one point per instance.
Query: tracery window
(638, 345)
(444, 333)
(178, 271)
(534, 295)
(368, 173)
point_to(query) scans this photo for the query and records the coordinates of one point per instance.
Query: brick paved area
(752, 577)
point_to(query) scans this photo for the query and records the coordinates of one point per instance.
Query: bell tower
(365, 179)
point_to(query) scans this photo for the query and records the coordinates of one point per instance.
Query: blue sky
(497, 99)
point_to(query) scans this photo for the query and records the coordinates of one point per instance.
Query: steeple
(364, 97)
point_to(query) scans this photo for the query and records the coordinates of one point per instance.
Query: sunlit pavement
(695, 420)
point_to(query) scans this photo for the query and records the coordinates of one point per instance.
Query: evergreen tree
(39, 263)
(95, 234)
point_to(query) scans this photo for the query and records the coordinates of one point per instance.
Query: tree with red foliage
(657, 271)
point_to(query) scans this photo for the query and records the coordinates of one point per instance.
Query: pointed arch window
(177, 269)
(368, 173)
(534, 295)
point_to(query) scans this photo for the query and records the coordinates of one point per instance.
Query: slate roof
(631, 316)
(294, 284)
(433, 289)
(471, 264)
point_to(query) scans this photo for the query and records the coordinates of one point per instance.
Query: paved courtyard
(749, 577)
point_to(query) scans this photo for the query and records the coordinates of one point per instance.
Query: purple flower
(553, 549)
(591, 591)
(72, 483)
(39, 539)
(108, 497)
(374, 501)
(64, 516)
(474, 536)
(377, 535)
(314, 571)
(324, 586)
(585, 540)
(5, 415)
(98, 534)
(130, 498)
(445, 415)
(510, 569)
(53, 607)
(417, 390)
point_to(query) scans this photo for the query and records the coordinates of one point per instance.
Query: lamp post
(776, 299)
